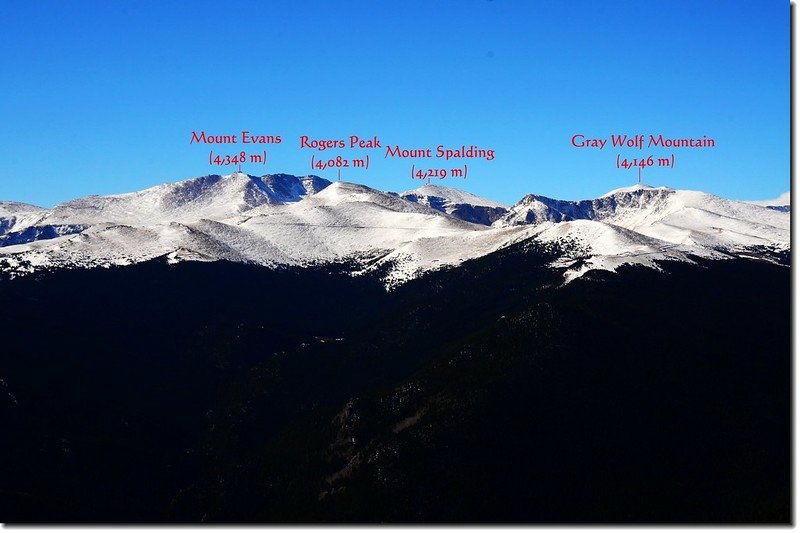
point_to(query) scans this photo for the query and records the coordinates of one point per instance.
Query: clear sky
(102, 97)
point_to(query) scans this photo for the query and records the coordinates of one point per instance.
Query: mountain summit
(461, 204)
(212, 197)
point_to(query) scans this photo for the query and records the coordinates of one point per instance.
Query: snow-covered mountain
(678, 217)
(286, 220)
(643, 224)
(461, 204)
(15, 216)
(207, 197)
(212, 197)
(781, 203)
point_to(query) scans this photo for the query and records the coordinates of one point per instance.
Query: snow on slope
(781, 203)
(343, 221)
(633, 189)
(783, 199)
(214, 197)
(602, 246)
(452, 196)
(677, 217)
(461, 204)
(348, 220)
(643, 224)
(8, 209)
(284, 220)
(16, 216)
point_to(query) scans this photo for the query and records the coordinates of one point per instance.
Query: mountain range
(282, 349)
(281, 219)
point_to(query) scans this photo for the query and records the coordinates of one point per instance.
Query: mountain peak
(784, 199)
(12, 208)
(635, 188)
(212, 197)
(343, 192)
(461, 204)
(449, 194)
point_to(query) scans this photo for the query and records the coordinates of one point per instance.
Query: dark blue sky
(101, 97)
